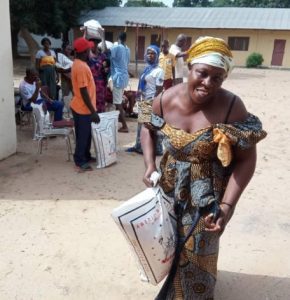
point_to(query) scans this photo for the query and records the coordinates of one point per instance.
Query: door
(141, 47)
(155, 39)
(278, 52)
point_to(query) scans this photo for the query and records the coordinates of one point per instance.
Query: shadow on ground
(239, 286)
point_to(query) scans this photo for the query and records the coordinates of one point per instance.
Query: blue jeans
(56, 106)
(83, 134)
(158, 142)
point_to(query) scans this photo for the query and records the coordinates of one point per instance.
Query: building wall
(261, 41)
(7, 111)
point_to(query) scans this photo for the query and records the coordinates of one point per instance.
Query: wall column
(7, 107)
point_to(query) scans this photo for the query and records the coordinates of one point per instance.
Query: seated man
(30, 91)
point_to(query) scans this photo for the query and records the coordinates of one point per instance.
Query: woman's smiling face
(204, 81)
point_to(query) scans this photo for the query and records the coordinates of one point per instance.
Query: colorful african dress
(193, 173)
(100, 77)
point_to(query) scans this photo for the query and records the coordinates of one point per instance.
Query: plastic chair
(24, 116)
(43, 129)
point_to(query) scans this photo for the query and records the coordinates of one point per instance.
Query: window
(239, 43)
(155, 39)
(109, 36)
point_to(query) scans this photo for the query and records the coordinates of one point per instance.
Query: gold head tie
(211, 51)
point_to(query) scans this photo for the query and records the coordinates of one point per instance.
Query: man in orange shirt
(83, 104)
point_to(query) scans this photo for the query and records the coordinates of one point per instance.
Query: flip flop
(84, 168)
(133, 115)
(133, 150)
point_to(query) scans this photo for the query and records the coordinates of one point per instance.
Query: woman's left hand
(220, 224)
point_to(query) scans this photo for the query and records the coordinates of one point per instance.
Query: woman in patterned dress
(210, 157)
(96, 63)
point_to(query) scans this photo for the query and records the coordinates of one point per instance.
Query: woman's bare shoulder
(166, 99)
(236, 107)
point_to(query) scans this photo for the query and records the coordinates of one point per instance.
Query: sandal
(132, 150)
(133, 115)
(83, 168)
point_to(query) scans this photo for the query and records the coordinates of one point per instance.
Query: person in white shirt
(177, 50)
(150, 85)
(31, 91)
(64, 61)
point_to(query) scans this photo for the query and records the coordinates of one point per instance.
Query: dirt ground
(58, 240)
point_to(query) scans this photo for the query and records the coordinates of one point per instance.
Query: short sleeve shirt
(179, 61)
(166, 63)
(26, 91)
(46, 59)
(153, 79)
(63, 61)
(120, 58)
(81, 77)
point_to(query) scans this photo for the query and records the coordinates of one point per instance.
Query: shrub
(254, 60)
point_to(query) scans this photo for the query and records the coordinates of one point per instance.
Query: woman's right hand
(146, 179)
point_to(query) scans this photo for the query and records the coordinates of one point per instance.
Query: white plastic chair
(24, 115)
(43, 129)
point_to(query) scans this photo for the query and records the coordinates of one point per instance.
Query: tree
(144, 3)
(222, 3)
(253, 3)
(48, 16)
(191, 3)
(234, 3)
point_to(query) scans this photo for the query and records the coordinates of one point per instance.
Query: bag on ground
(148, 222)
(105, 138)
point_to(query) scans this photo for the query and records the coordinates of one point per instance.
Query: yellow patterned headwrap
(211, 51)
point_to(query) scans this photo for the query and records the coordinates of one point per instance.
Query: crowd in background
(50, 82)
(208, 135)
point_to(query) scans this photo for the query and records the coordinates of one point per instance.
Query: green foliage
(233, 3)
(254, 60)
(144, 3)
(261, 3)
(191, 3)
(222, 3)
(51, 16)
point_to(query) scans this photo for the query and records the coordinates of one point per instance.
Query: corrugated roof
(195, 17)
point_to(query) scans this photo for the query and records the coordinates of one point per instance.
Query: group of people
(40, 84)
(163, 70)
(209, 137)
(92, 63)
(89, 82)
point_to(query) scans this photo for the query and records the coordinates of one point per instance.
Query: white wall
(7, 111)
